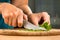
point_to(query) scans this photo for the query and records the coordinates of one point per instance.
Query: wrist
(0, 8)
(2, 5)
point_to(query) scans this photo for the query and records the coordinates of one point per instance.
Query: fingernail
(20, 24)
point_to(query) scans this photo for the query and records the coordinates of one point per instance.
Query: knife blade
(29, 25)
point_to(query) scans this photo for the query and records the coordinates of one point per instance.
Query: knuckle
(11, 15)
(15, 15)
(21, 12)
(49, 16)
(5, 16)
(44, 13)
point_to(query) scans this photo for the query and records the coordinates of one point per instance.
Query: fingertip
(35, 22)
(14, 24)
(6, 21)
(20, 24)
(20, 21)
(25, 17)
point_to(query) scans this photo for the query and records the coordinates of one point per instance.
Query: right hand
(39, 18)
(12, 15)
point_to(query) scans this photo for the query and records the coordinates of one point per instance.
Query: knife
(29, 25)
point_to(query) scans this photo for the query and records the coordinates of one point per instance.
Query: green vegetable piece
(46, 26)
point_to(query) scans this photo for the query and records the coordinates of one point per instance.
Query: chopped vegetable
(46, 26)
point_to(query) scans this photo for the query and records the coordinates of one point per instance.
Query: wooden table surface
(22, 32)
(4, 37)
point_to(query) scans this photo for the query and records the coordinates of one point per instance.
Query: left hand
(39, 18)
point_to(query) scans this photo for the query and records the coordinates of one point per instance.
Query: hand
(12, 15)
(39, 18)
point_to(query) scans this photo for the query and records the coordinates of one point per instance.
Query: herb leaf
(46, 26)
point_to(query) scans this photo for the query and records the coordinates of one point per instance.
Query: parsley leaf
(46, 26)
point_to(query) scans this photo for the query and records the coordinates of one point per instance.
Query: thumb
(35, 21)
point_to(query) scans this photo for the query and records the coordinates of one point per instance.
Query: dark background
(50, 6)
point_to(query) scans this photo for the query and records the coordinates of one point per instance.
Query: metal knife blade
(28, 25)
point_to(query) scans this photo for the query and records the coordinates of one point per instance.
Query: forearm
(22, 4)
(26, 9)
